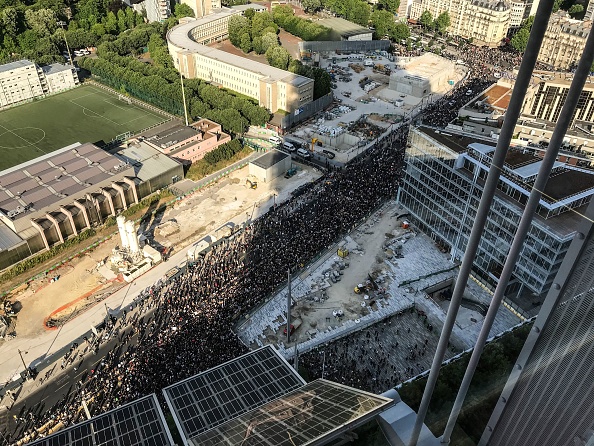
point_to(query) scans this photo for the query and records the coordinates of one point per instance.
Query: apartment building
(442, 188)
(564, 41)
(273, 88)
(156, 10)
(485, 21)
(23, 80)
(589, 11)
(516, 15)
(202, 8)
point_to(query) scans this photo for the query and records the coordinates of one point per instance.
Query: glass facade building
(442, 188)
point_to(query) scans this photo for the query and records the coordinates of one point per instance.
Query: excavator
(251, 184)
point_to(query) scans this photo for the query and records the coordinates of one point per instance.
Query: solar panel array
(307, 416)
(139, 423)
(217, 395)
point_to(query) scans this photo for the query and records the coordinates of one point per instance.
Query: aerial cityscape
(296, 222)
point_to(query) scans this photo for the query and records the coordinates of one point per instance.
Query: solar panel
(219, 394)
(139, 423)
(313, 414)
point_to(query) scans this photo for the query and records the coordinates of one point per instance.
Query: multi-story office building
(442, 188)
(202, 8)
(23, 80)
(548, 398)
(485, 21)
(564, 41)
(274, 89)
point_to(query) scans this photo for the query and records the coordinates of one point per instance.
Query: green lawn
(85, 114)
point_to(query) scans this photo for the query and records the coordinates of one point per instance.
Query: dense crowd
(183, 326)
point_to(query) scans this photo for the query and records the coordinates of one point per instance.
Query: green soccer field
(85, 114)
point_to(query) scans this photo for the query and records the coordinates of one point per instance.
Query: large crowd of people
(184, 325)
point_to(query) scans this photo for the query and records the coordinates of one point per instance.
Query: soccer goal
(124, 98)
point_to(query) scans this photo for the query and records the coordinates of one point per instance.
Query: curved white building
(274, 89)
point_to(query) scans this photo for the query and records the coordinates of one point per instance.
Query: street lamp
(62, 24)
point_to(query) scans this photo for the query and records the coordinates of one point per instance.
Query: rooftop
(270, 159)
(565, 185)
(253, 6)
(147, 161)
(497, 96)
(343, 27)
(14, 65)
(56, 68)
(425, 66)
(179, 36)
(39, 183)
(171, 136)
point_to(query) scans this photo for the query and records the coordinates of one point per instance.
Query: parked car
(329, 154)
(303, 153)
(78, 53)
(85, 52)
(275, 140)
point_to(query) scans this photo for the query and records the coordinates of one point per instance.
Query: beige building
(516, 15)
(187, 144)
(484, 21)
(564, 41)
(273, 88)
(202, 8)
(23, 80)
(212, 28)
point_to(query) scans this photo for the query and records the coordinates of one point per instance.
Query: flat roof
(147, 161)
(425, 66)
(343, 27)
(139, 423)
(516, 158)
(531, 170)
(315, 414)
(253, 6)
(55, 68)
(14, 65)
(269, 159)
(497, 96)
(179, 36)
(482, 148)
(457, 143)
(567, 183)
(39, 183)
(172, 135)
(209, 399)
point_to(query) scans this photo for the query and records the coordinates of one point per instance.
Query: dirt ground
(185, 222)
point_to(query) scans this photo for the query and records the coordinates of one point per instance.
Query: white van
(275, 139)
(288, 146)
(303, 153)
(368, 63)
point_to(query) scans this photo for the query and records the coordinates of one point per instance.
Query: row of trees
(440, 24)
(32, 30)
(307, 30)
(159, 83)
(223, 152)
(253, 31)
(384, 24)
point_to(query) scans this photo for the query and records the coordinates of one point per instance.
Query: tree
(383, 22)
(443, 22)
(269, 40)
(10, 21)
(249, 13)
(400, 32)
(311, 5)
(576, 9)
(238, 25)
(426, 20)
(390, 5)
(183, 10)
(278, 57)
(43, 21)
(245, 43)
(520, 39)
(257, 45)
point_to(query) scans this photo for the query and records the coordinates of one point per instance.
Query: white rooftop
(481, 148)
(532, 169)
(14, 65)
(56, 68)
